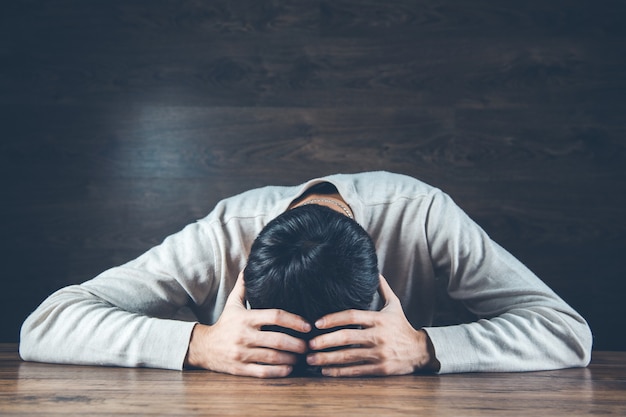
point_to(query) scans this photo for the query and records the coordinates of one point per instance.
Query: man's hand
(386, 344)
(237, 345)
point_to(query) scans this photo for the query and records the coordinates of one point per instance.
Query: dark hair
(312, 261)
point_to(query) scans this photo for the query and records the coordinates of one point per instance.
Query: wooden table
(45, 389)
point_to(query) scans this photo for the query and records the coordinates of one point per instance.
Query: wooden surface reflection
(34, 388)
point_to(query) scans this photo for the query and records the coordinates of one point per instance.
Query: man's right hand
(235, 344)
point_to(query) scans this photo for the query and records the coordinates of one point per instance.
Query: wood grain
(33, 388)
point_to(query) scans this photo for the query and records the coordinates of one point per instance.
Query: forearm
(516, 341)
(71, 327)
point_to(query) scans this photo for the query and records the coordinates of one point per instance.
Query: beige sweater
(483, 309)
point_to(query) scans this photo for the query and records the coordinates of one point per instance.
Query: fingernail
(319, 323)
(306, 327)
(311, 360)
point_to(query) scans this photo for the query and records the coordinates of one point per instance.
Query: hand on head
(235, 344)
(384, 344)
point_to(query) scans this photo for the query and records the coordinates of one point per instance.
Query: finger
(238, 293)
(347, 318)
(280, 342)
(282, 318)
(341, 338)
(265, 356)
(342, 357)
(387, 293)
(264, 371)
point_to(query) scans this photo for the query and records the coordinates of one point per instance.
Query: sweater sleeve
(522, 324)
(126, 315)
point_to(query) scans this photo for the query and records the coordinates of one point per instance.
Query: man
(455, 300)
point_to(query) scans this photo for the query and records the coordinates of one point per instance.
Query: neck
(332, 201)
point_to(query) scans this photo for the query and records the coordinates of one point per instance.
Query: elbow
(30, 338)
(43, 329)
(586, 344)
(33, 337)
(26, 341)
(570, 340)
(581, 344)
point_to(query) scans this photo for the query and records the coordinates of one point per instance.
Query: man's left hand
(386, 343)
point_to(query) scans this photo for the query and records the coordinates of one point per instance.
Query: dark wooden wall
(122, 121)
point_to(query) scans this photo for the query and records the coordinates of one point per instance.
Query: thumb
(391, 299)
(238, 294)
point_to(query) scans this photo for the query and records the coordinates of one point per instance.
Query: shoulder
(259, 203)
(382, 186)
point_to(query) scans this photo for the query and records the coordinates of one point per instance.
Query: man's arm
(125, 316)
(522, 324)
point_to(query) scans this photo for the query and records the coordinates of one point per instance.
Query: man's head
(312, 261)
